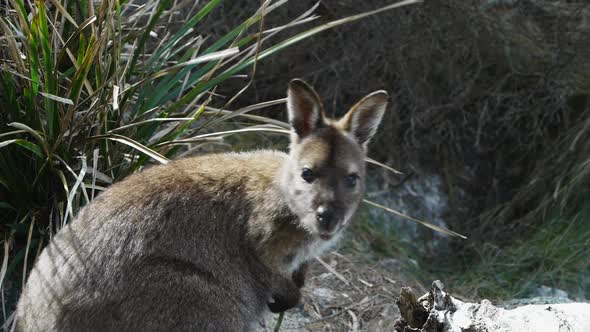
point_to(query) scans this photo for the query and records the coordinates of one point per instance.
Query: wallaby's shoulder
(213, 170)
(191, 181)
(243, 164)
(218, 166)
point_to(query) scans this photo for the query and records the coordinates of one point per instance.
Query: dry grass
(489, 95)
(346, 292)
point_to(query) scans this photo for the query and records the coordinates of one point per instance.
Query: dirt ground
(347, 293)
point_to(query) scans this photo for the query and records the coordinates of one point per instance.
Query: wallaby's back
(207, 243)
(154, 246)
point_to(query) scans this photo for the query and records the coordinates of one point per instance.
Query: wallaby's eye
(351, 180)
(307, 175)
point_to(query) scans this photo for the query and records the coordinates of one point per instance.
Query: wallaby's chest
(308, 251)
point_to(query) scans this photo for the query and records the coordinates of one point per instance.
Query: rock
(511, 304)
(421, 196)
(545, 291)
(323, 295)
(542, 295)
(438, 311)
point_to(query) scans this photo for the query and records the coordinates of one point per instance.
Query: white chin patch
(310, 224)
(313, 249)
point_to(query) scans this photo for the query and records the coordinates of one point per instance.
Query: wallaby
(207, 243)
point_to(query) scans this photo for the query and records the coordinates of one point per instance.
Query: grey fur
(201, 244)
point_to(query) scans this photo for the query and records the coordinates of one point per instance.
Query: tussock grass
(93, 91)
(550, 242)
(555, 254)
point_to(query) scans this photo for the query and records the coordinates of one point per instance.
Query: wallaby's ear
(305, 108)
(364, 117)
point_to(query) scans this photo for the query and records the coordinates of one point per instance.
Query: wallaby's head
(324, 179)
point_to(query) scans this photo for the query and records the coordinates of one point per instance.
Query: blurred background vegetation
(491, 105)
(492, 98)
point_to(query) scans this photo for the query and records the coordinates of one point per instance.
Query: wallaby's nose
(325, 218)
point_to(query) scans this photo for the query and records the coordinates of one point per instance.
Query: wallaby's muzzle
(328, 222)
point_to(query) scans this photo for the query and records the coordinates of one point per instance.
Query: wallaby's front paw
(283, 303)
(299, 275)
(285, 294)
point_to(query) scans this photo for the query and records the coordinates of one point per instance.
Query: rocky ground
(438, 311)
(344, 293)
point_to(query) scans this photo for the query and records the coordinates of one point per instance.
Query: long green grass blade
(166, 87)
(25, 144)
(7, 143)
(33, 133)
(189, 63)
(375, 162)
(184, 126)
(4, 262)
(136, 145)
(245, 110)
(421, 222)
(22, 15)
(184, 29)
(76, 36)
(144, 37)
(82, 72)
(33, 59)
(203, 86)
(198, 138)
(6, 206)
(49, 79)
